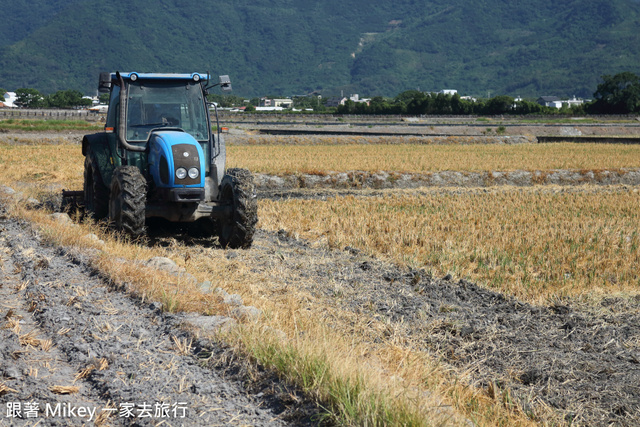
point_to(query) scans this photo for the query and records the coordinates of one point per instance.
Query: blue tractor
(158, 157)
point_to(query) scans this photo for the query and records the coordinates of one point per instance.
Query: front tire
(238, 189)
(127, 203)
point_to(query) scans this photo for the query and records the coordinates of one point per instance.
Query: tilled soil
(435, 131)
(385, 180)
(76, 352)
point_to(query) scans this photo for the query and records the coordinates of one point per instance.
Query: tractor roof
(162, 76)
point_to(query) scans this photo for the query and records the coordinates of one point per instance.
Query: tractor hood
(176, 160)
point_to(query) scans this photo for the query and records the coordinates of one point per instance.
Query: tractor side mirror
(225, 83)
(105, 83)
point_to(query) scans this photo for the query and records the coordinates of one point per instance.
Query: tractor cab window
(175, 104)
(114, 109)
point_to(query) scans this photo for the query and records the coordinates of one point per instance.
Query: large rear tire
(127, 203)
(238, 189)
(96, 194)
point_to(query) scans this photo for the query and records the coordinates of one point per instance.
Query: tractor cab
(158, 157)
(157, 103)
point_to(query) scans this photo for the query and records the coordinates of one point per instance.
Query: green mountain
(287, 47)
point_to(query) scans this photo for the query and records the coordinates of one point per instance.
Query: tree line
(617, 94)
(32, 98)
(419, 103)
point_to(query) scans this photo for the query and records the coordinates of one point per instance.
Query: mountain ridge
(327, 47)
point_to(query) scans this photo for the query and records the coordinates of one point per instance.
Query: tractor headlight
(181, 173)
(194, 173)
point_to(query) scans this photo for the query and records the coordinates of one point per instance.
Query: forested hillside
(287, 47)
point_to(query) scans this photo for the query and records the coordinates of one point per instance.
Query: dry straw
(414, 158)
(532, 243)
(61, 389)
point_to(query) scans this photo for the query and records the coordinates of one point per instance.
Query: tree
(28, 98)
(379, 105)
(442, 104)
(414, 101)
(85, 102)
(2, 92)
(65, 99)
(619, 94)
(528, 107)
(458, 106)
(500, 104)
(302, 102)
(320, 106)
(349, 107)
(403, 99)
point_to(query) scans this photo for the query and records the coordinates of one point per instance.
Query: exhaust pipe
(122, 128)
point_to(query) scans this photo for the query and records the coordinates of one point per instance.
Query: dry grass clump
(84, 373)
(6, 389)
(183, 346)
(29, 339)
(46, 345)
(415, 158)
(530, 243)
(62, 389)
(343, 375)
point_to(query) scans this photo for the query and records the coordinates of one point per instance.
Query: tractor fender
(96, 146)
(93, 140)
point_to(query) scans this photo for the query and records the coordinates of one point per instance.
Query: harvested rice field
(481, 304)
(420, 158)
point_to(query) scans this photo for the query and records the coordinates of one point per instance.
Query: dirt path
(75, 352)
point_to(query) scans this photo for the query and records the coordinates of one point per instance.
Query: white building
(356, 98)
(94, 100)
(283, 102)
(574, 101)
(10, 100)
(269, 108)
(553, 101)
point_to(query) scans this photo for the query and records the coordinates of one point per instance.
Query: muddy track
(77, 352)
